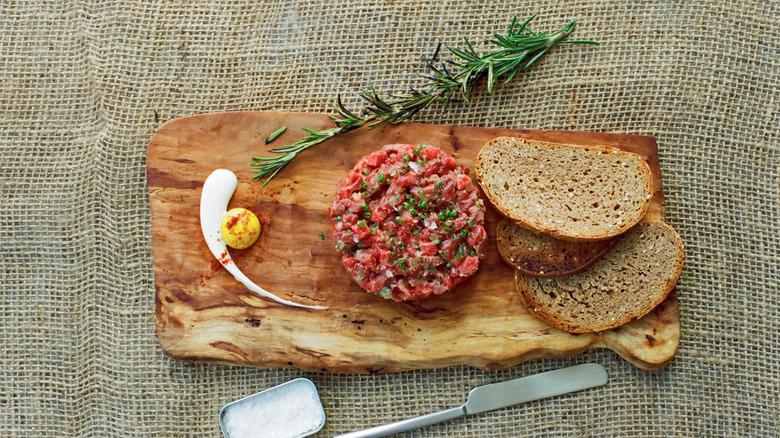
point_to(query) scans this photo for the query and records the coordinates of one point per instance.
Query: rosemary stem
(518, 50)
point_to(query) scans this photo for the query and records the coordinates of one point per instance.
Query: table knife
(500, 395)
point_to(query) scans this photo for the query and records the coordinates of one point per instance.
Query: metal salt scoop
(290, 410)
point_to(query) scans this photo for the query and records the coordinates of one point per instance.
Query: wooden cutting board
(203, 313)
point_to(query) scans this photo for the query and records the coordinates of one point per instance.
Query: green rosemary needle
(518, 50)
(276, 133)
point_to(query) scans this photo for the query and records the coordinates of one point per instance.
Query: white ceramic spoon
(217, 191)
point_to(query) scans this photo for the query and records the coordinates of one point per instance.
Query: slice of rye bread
(625, 284)
(542, 255)
(570, 192)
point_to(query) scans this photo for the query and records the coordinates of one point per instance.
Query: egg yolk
(240, 228)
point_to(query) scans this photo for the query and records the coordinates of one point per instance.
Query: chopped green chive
(401, 246)
(463, 233)
(365, 172)
(338, 218)
(406, 158)
(367, 215)
(361, 224)
(373, 230)
(364, 185)
(365, 194)
(436, 241)
(439, 184)
(400, 220)
(470, 222)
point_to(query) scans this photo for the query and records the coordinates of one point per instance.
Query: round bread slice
(570, 192)
(542, 255)
(625, 284)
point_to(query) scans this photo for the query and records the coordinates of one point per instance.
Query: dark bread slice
(570, 192)
(542, 255)
(625, 284)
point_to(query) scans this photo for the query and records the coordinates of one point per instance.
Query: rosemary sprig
(518, 50)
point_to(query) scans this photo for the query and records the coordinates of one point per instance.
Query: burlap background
(86, 83)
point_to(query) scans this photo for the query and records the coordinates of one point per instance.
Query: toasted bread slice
(542, 255)
(567, 191)
(625, 284)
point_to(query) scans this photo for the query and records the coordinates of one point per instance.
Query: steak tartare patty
(408, 222)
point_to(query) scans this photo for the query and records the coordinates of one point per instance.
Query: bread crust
(558, 232)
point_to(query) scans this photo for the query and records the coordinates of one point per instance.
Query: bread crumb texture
(540, 254)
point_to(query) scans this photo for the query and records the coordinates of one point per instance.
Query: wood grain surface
(203, 313)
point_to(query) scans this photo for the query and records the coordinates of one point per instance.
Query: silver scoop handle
(411, 423)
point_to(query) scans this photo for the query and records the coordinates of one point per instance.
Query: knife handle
(404, 425)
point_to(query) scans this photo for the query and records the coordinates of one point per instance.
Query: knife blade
(551, 383)
(500, 395)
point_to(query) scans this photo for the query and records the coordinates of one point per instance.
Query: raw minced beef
(408, 222)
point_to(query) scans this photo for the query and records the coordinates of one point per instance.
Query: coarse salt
(290, 410)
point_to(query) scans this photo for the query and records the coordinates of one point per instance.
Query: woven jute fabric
(85, 84)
